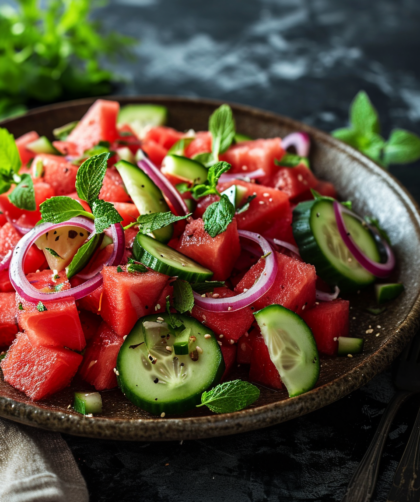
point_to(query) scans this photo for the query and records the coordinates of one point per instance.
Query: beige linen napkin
(37, 466)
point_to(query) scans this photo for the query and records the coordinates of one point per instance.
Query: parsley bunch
(364, 134)
(51, 50)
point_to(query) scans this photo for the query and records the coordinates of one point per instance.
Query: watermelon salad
(156, 260)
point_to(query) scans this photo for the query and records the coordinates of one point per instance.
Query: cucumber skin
(387, 292)
(355, 348)
(310, 252)
(155, 407)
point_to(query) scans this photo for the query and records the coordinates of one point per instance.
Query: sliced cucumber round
(184, 168)
(236, 194)
(142, 117)
(147, 197)
(291, 346)
(166, 260)
(157, 380)
(316, 233)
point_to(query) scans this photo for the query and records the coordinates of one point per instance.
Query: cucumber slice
(191, 205)
(239, 138)
(126, 154)
(291, 346)
(155, 379)
(61, 133)
(187, 169)
(38, 169)
(347, 345)
(87, 403)
(42, 145)
(179, 147)
(141, 117)
(182, 343)
(166, 260)
(146, 196)
(236, 194)
(316, 233)
(386, 292)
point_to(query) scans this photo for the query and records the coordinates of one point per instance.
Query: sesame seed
(379, 327)
(231, 341)
(207, 336)
(220, 336)
(69, 406)
(160, 319)
(216, 295)
(163, 416)
(303, 307)
(157, 307)
(261, 202)
(377, 334)
(229, 308)
(266, 194)
(316, 303)
(220, 343)
(369, 331)
(335, 339)
(349, 355)
(199, 349)
(168, 348)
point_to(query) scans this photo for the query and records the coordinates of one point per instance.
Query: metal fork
(407, 382)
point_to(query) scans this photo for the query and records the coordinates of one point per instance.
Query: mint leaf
(229, 397)
(136, 267)
(9, 154)
(175, 325)
(149, 223)
(41, 307)
(90, 177)
(83, 255)
(363, 116)
(222, 128)
(402, 147)
(23, 195)
(58, 209)
(205, 158)
(288, 160)
(207, 286)
(218, 216)
(183, 296)
(105, 215)
(209, 187)
(182, 187)
(347, 135)
(179, 147)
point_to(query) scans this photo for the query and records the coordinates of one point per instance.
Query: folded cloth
(37, 466)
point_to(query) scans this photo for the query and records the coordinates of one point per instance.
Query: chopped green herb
(209, 187)
(289, 160)
(229, 397)
(105, 215)
(21, 306)
(136, 267)
(53, 253)
(149, 223)
(58, 287)
(119, 269)
(175, 325)
(41, 307)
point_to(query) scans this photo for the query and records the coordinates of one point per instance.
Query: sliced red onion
(5, 262)
(242, 176)
(262, 285)
(25, 289)
(301, 142)
(377, 269)
(170, 192)
(287, 245)
(322, 296)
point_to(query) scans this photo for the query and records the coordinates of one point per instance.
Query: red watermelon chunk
(91, 302)
(100, 358)
(328, 321)
(21, 143)
(200, 144)
(130, 235)
(3, 220)
(269, 206)
(129, 296)
(9, 237)
(8, 319)
(154, 151)
(294, 287)
(327, 189)
(203, 204)
(98, 124)
(113, 189)
(128, 212)
(262, 370)
(163, 136)
(219, 254)
(160, 306)
(57, 172)
(231, 326)
(66, 148)
(244, 353)
(282, 228)
(5, 284)
(90, 323)
(296, 182)
(249, 156)
(39, 371)
(229, 357)
(85, 205)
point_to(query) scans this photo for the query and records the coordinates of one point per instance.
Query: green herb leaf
(90, 177)
(402, 147)
(105, 215)
(205, 158)
(119, 269)
(347, 135)
(209, 187)
(289, 160)
(175, 325)
(231, 396)
(218, 216)
(23, 195)
(207, 286)
(9, 154)
(222, 128)
(21, 306)
(41, 307)
(83, 255)
(53, 253)
(363, 116)
(149, 223)
(136, 268)
(179, 147)
(182, 187)
(183, 296)
(58, 209)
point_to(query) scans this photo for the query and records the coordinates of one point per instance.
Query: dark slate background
(305, 59)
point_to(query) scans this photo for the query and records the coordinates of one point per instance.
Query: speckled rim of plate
(157, 429)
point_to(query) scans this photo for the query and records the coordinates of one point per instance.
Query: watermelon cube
(262, 370)
(328, 321)
(218, 254)
(228, 326)
(113, 189)
(9, 237)
(100, 358)
(128, 212)
(163, 136)
(57, 172)
(8, 319)
(229, 357)
(327, 189)
(129, 296)
(244, 353)
(5, 284)
(249, 156)
(154, 151)
(66, 148)
(296, 182)
(294, 287)
(200, 144)
(39, 371)
(21, 143)
(91, 302)
(90, 323)
(98, 124)
(160, 306)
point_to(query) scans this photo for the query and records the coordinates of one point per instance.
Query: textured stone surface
(305, 59)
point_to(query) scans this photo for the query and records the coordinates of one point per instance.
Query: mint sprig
(90, 177)
(183, 296)
(364, 134)
(175, 325)
(105, 215)
(229, 397)
(218, 216)
(61, 208)
(149, 223)
(222, 129)
(209, 187)
(9, 154)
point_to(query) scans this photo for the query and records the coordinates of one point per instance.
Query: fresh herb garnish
(364, 134)
(105, 215)
(183, 296)
(218, 216)
(58, 287)
(136, 267)
(209, 187)
(175, 325)
(149, 223)
(207, 286)
(53, 253)
(21, 306)
(119, 269)
(41, 307)
(289, 160)
(23, 196)
(90, 177)
(222, 129)
(182, 187)
(229, 397)
(83, 255)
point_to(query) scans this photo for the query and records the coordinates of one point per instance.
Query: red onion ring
(327, 297)
(301, 142)
(162, 183)
(25, 289)
(245, 299)
(5, 262)
(242, 176)
(377, 269)
(287, 245)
